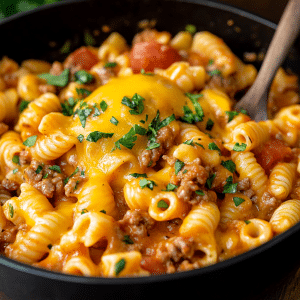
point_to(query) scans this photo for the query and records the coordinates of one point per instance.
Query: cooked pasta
(128, 159)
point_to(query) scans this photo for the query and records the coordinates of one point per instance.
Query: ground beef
(245, 186)
(175, 252)
(73, 184)
(56, 68)
(104, 74)
(165, 137)
(47, 181)
(146, 35)
(10, 185)
(137, 223)
(24, 157)
(47, 88)
(189, 179)
(267, 205)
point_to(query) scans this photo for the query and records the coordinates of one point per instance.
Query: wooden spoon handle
(283, 39)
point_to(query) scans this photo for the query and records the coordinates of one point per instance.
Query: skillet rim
(31, 270)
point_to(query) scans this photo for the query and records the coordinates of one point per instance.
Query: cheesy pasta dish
(131, 160)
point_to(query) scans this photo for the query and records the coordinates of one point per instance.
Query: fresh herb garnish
(68, 106)
(97, 135)
(30, 141)
(83, 92)
(55, 168)
(110, 65)
(23, 105)
(135, 103)
(147, 183)
(83, 114)
(162, 204)
(83, 77)
(238, 201)
(229, 165)
(16, 159)
(171, 187)
(191, 28)
(239, 147)
(119, 266)
(114, 121)
(103, 105)
(80, 138)
(230, 187)
(178, 166)
(137, 175)
(200, 192)
(11, 210)
(215, 72)
(209, 124)
(39, 169)
(189, 116)
(213, 146)
(74, 173)
(231, 115)
(127, 240)
(57, 80)
(210, 180)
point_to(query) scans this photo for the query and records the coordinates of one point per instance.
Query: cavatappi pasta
(130, 160)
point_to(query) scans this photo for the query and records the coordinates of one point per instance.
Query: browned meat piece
(175, 251)
(10, 185)
(103, 75)
(137, 223)
(146, 35)
(47, 88)
(189, 179)
(165, 137)
(73, 184)
(24, 157)
(267, 205)
(56, 68)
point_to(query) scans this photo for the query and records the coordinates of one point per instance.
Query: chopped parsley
(127, 240)
(97, 135)
(103, 105)
(23, 105)
(128, 140)
(114, 121)
(80, 138)
(147, 183)
(74, 173)
(143, 72)
(135, 103)
(39, 169)
(30, 141)
(213, 146)
(68, 106)
(110, 65)
(230, 187)
(191, 28)
(162, 204)
(84, 210)
(11, 210)
(231, 115)
(215, 72)
(83, 77)
(83, 114)
(229, 165)
(178, 166)
(171, 187)
(55, 168)
(16, 159)
(209, 124)
(57, 80)
(239, 147)
(119, 266)
(15, 170)
(192, 143)
(189, 116)
(137, 175)
(200, 192)
(210, 180)
(238, 201)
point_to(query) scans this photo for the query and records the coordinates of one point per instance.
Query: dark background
(269, 9)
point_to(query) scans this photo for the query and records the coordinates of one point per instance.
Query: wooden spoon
(255, 100)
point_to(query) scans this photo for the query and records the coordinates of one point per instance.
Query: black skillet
(42, 34)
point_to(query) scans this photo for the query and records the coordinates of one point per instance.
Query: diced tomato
(273, 152)
(150, 55)
(82, 57)
(152, 265)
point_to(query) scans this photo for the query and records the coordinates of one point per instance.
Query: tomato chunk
(153, 265)
(273, 152)
(150, 55)
(83, 58)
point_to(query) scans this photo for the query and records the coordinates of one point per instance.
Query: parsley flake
(119, 266)
(147, 183)
(239, 147)
(178, 166)
(162, 204)
(230, 187)
(97, 135)
(57, 80)
(30, 141)
(229, 165)
(83, 77)
(135, 103)
(238, 201)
